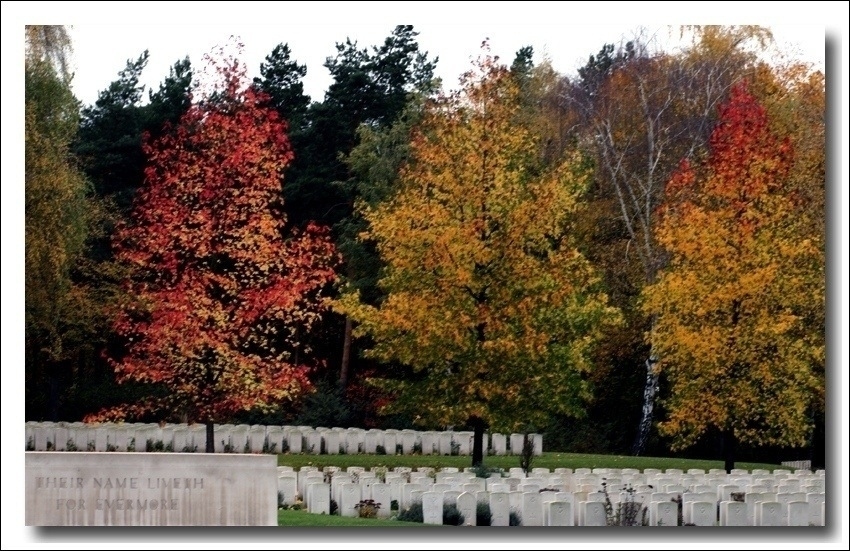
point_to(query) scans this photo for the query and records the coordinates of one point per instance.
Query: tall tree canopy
(487, 299)
(743, 283)
(57, 220)
(220, 293)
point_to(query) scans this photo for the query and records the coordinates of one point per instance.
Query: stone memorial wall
(151, 489)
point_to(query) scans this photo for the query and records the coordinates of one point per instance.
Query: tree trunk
(346, 355)
(648, 405)
(729, 444)
(478, 426)
(818, 455)
(210, 437)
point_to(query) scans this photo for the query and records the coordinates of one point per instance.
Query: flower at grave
(367, 508)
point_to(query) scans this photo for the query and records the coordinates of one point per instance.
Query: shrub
(367, 508)
(269, 447)
(70, 446)
(30, 444)
(417, 448)
(483, 515)
(514, 519)
(334, 508)
(394, 505)
(380, 450)
(482, 471)
(452, 515)
(412, 513)
(626, 513)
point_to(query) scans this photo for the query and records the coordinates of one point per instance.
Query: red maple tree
(221, 291)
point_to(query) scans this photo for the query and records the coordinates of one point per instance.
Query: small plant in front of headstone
(90, 447)
(455, 448)
(131, 447)
(246, 448)
(284, 446)
(380, 450)
(367, 508)
(399, 449)
(483, 515)
(394, 505)
(280, 503)
(413, 513)
(111, 448)
(628, 512)
(50, 446)
(334, 507)
(269, 447)
(417, 448)
(452, 515)
(189, 449)
(514, 519)
(227, 447)
(30, 444)
(71, 446)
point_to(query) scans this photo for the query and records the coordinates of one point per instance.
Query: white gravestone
(768, 513)
(532, 509)
(287, 487)
(349, 494)
(430, 441)
(432, 507)
(592, 513)
(467, 504)
(382, 494)
(733, 513)
(500, 509)
(498, 443)
(319, 501)
(816, 501)
(559, 513)
(332, 442)
(798, 513)
(663, 513)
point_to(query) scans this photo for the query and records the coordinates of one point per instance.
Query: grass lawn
(548, 460)
(291, 517)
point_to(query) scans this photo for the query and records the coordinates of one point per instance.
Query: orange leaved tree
(742, 281)
(488, 300)
(221, 291)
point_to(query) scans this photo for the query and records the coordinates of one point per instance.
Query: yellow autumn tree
(487, 298)
(733, 304)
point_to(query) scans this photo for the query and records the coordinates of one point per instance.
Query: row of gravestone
(77, 436)
(566, 497)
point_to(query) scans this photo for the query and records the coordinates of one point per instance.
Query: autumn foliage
(743, 278)
(488, 301)
(221, 292)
